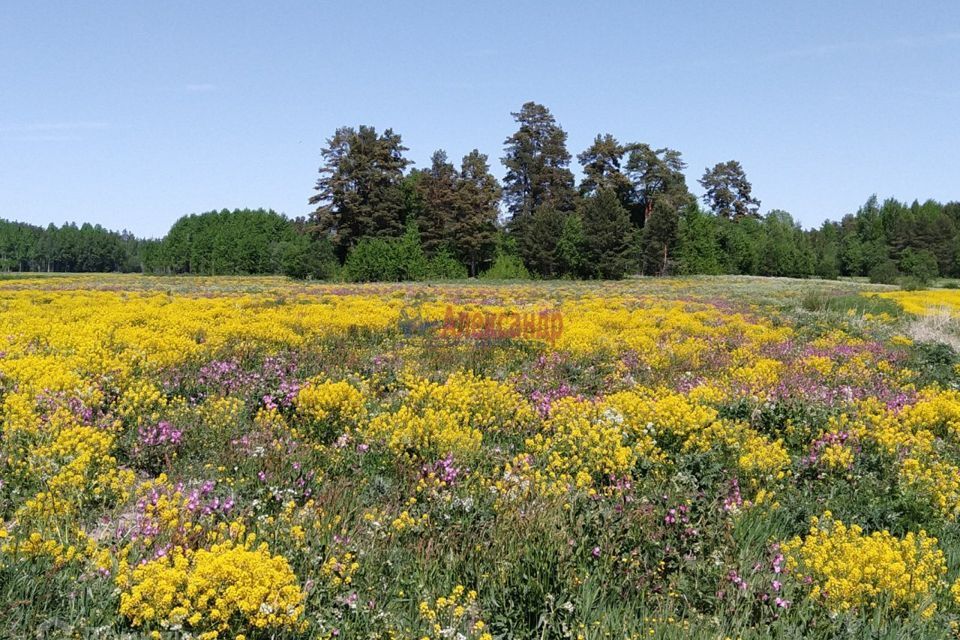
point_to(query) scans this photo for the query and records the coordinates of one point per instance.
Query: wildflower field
(673, 458)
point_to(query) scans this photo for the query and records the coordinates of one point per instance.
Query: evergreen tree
(728, 192)
(741, 245)
(657, 177)
(537, 163)
(438, 188)
(388, 259)
(474, 225)
(507, 264)
(306, 254)
(920, 264)
(601, 164)
(412, 193)
(659, 238)
(359, 193)
(850, 247)
(571, 247)
(606, 233)
(304, 257)
(537, 238)
(413, 262)
(884, 272)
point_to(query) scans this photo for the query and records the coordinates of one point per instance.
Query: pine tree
(359, 193)
(537, 238)
(601, 164)
(606, 231)
(474, 225)
(659, 238)
(657, 177)
(571, 246)
(728, 192)
(438, 188)
(537, 162)
(741, 242)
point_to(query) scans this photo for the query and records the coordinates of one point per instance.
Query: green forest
(376, 218)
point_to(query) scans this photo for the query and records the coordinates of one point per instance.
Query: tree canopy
(359, 192)
(632, 213)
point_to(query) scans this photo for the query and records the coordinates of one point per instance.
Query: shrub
(828, 269)
(832, 556)
(921, 265)
(330, 408)
(227, 585)
(884, 272)
(506, 267)
(372, 259)
(303, 258)
(387, 259)
(912, 283)
(934, 361)
(443, 266)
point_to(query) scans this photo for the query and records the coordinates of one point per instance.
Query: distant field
(701, 457)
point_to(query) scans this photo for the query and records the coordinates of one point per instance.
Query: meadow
(243, 458)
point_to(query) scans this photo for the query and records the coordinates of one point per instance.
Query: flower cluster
(453, 615)
(439, 419)
(582, 443)
(831, 450)
(338, 572)
(161, 434)
(210, 591)
(330, 407)
(847, 568)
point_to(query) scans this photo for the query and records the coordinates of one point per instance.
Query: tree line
(87, 248)
(223, 242)
(376, 218)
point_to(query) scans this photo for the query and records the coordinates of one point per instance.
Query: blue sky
(131, 114)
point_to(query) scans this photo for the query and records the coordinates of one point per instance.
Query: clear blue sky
(132, 114)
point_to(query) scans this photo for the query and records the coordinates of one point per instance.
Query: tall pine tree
(537, 163)
(359, 192)
(601, 163)
(728, 192)
(476, 209)
(438, 187)
(538, 188)
(657, 175)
